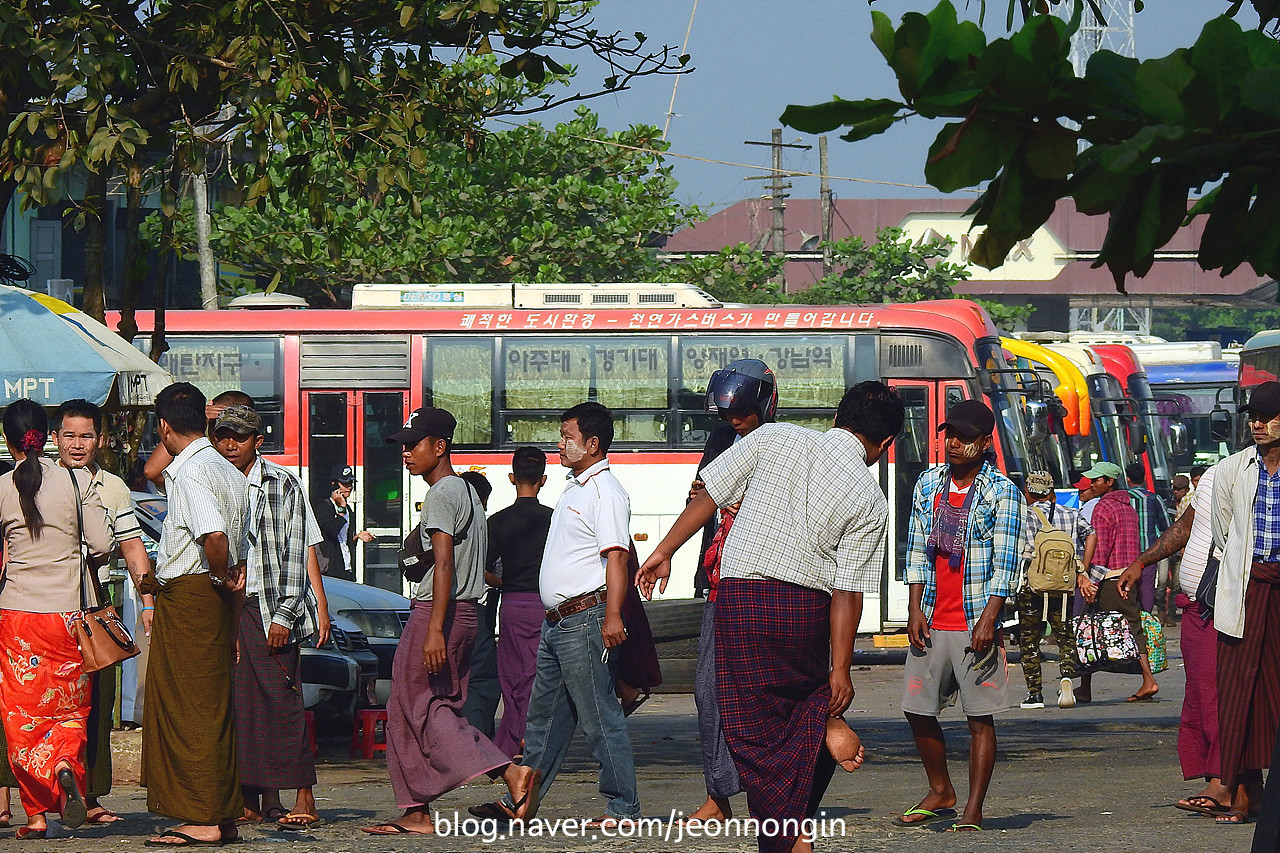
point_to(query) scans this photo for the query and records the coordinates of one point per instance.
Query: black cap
(344, 474)
(426, 421)
(1264, 401)
(970, 418)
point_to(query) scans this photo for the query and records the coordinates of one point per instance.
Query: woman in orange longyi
(44, 692)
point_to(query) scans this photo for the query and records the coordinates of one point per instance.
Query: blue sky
(754, 57)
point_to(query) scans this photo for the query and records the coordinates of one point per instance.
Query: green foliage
(734, 274)
(572, 203)
(1174, 324)
(891, 269)
(1150, 134)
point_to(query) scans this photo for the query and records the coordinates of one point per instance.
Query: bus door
(350, 428)
(916, 449)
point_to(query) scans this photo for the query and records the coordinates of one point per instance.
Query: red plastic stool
(311, 733)
(364, 739)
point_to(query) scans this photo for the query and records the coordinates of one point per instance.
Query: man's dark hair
(1136, 473)
(79, 409)
(594, 421)
(528, 464)
(234, 398)
(480, 483)
(182, 405)
(1197, 471)
(872, 410)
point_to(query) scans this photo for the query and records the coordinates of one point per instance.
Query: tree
(1130, 139)
(569, 203)
(734, 274)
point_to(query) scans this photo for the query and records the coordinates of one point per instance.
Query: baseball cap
(1082, 484)
(1264, 401)
(1105, 469)
(241, 420)
(1040, 483)
(425, 421)
(344, 474)
(970, 418)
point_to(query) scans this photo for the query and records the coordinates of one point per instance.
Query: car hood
(348, 595)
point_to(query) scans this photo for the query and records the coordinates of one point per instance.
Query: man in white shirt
(188, 735)
(583, 581)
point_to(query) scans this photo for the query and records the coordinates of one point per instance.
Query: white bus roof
(532, 295)
(1184, 352)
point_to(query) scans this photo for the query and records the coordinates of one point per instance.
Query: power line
(684, 50)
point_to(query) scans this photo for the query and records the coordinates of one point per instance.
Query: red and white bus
(332, 384)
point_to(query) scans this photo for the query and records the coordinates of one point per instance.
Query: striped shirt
(812, 513)
(1266, 516)
(992, 549)
(206, 495)
(280, 529)
(1153, 518)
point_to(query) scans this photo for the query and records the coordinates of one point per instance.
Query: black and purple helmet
(747, 385)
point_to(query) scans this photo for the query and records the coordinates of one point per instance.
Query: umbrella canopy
(50, 352)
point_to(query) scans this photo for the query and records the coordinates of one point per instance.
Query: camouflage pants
(1031, 616)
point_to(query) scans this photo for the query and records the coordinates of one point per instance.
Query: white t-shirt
(592, 517)
(1200, 543)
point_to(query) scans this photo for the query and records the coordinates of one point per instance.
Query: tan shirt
(43, 575)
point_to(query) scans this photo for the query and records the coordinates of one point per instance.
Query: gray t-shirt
(452, 506)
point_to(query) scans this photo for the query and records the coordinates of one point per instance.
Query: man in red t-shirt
(963, 562)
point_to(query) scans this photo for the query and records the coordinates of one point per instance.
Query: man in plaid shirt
(284, 605)
(963, 552)
(1116, 523)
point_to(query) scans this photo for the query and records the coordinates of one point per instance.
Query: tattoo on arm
(1171, 541)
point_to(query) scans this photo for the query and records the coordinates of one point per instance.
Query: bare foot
(412, 822)
(179, 836)
(714, 810)
(844, 744)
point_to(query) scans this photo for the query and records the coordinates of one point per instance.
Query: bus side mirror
(1037, 418)
(1177, 437)
(1220, 425)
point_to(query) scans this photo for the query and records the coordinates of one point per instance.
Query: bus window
(253, 365)
(811, 371)
(543, 377)
(459, 378)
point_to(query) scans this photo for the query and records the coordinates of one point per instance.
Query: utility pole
(825, 196)
(779, 186)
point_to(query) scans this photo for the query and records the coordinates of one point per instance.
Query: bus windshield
(1005, 395)
(1144, 400)
(1111, 412)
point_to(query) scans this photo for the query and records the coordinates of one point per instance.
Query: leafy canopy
(1129, 139)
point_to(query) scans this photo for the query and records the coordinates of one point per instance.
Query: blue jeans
(574, 686)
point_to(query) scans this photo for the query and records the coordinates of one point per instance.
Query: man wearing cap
(1246, 609)
(963, 551)
(431, 748)
(1035, 607)
(280, 611)
(337, 524)
(1116, 523)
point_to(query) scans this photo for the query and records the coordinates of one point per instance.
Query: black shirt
(517, 537)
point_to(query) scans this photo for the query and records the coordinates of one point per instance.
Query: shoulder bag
(415, 558)
(101, 635)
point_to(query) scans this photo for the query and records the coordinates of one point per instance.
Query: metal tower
(1116, 34)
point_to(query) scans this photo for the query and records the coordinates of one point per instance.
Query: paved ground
(1098, 777)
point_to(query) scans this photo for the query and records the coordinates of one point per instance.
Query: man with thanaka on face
(963, 550)
(431, 748)
(806, 545)
(583, 582)
(78, 425)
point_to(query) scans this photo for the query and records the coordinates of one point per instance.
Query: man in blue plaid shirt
(963, 553)
(284, 605)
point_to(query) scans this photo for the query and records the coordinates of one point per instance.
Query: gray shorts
(945, 666)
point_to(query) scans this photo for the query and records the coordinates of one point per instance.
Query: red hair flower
(32, 439)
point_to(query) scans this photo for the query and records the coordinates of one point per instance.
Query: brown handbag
(101, 635)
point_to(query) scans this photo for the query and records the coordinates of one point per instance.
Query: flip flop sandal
(299, 822)
(26, 833)
(1200, 804)
(102, 818)
(1142, 697)
(964, 827)
(928, 816)
(1231, 818)
(185, 840)
(529, 802)
(73, 808)
(392, 829)
(491, 811)
(6, 817)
